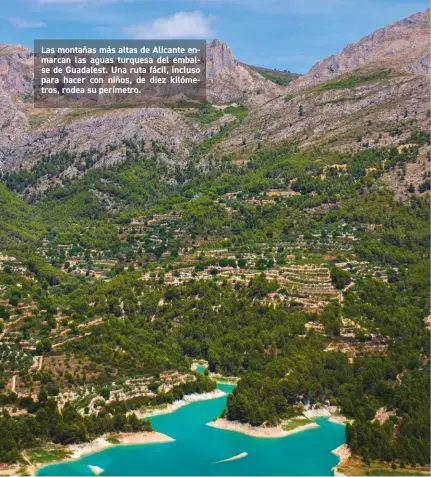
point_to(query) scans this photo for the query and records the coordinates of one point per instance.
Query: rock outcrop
(26, 133)
(13, 128)
(229, 81)
(381, 113)
(16, 69)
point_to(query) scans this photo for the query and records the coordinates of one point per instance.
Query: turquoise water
(198, 446)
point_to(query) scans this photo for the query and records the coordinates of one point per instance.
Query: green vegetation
(210, 114)
(341, 278)
(280, 77)
(67, 427)
(351, 81)
(355, 466)
(275, 79)
(294, 424)
(382, 472)
(46, 454)
(297, 272)
(19, 222)
(376, 441)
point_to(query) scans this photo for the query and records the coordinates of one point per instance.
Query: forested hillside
(298, 272)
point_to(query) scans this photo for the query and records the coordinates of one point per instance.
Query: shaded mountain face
(16, 69)
(16, 79)
(280, 77)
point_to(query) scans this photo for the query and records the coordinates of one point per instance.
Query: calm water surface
(197, 447)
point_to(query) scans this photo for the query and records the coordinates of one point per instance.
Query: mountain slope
(27, 134)
(294, 270)
(373, 92)
(18, 221)
(229, 81)
(280, 77)
(402, 46)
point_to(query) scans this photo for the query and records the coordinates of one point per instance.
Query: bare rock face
(379, 109)
(403, 46)
(13, 129)
(16, 78)
(219, 59)
(27, 134)
(78, 131)
(16, 69)
(228, 81)
(378, 112)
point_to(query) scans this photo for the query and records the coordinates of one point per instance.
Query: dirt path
(350, 285)
(71, 339)
(13, 384)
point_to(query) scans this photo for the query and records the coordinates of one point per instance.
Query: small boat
(96, 469)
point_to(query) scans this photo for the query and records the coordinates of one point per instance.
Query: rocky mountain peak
(403, 46)
(229, 81)
(219, 59)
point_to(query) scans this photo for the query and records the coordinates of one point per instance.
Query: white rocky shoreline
(79, 450)
(343, 453)
(258, 431)
(187, 399)
(330, 412)
(101, 443)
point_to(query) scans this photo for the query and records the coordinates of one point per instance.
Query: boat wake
(235, 457)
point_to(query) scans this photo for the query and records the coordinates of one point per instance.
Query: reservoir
(198, 449)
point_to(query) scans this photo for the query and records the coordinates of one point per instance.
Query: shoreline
(128, 438)
(218, 378)
(339, 419)
(187, 399)
(77, 451)
(197, 364)
(331, 413)
(230, 382)
(260, 432)
(343, 453)
(323, 412)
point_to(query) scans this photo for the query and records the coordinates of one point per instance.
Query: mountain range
(375, 90)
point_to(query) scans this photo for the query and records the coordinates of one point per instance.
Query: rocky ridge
(374, 92)
(403, 46)
(27, 133)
